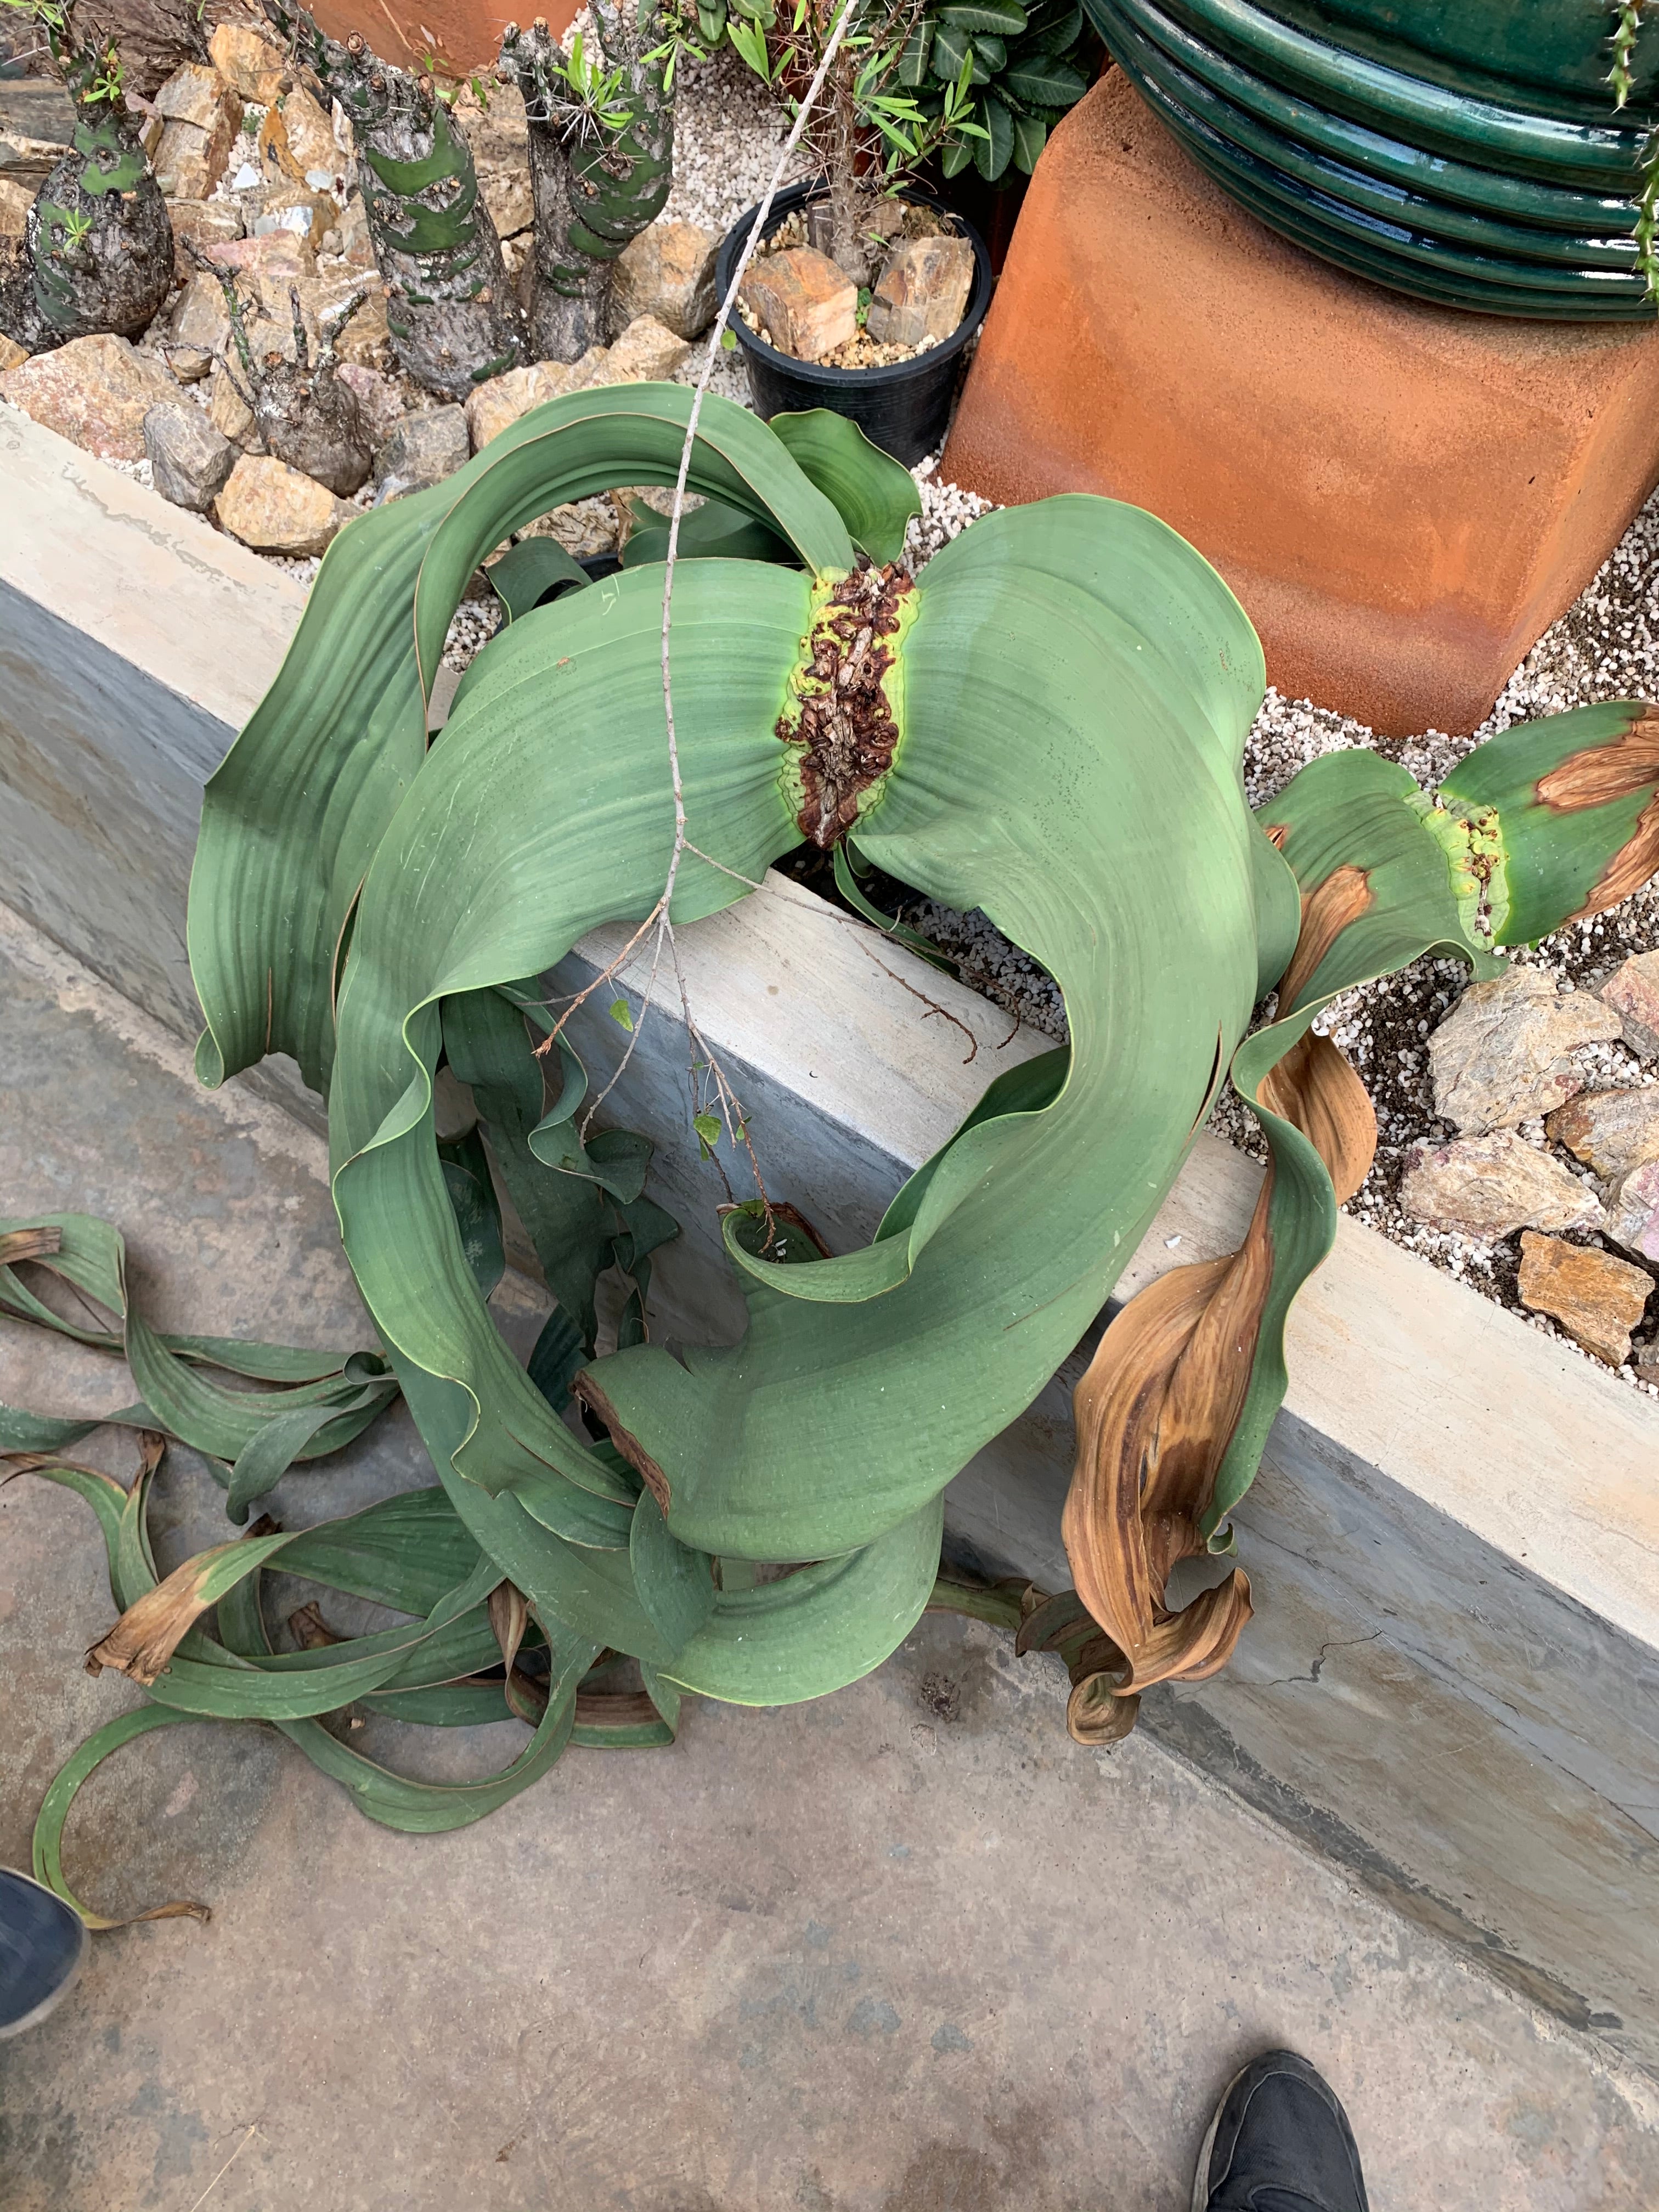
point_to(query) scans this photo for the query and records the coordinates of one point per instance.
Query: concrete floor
(906, 1950)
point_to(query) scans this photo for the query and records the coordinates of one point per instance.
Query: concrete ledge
(1452, 1684)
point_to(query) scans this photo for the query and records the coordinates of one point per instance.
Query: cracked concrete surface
(904, 1950)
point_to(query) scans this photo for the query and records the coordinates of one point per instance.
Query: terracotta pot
(467, 35)
(1468, 155)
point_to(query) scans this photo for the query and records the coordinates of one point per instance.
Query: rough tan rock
(300, 211)
(1633, 1210)
(198, 328)
(275, 509)
(648, 352)
(248, 61)
(1489, 1186)
(495, 406)
(12, 355)
(1632, 992)
(1598, 1299)
(507, 194)
(209, 225)
(228, 412)
(1502, 1055)
(203, 115)
(801, 302)
(189, 460)
(378, 399)
(93, 391)
(922, 293)
(1610, 1131)
(278, 259)
(667, 272)
(17, 198)
(308, 138)
(423, 449)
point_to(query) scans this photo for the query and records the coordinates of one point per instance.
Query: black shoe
(1280, 2142)
(42, 1943)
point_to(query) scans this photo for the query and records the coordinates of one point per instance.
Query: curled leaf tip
(584, 1387)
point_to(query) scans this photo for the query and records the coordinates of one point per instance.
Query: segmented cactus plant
(1048, 724)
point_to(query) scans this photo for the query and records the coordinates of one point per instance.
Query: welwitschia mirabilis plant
(1049, 725)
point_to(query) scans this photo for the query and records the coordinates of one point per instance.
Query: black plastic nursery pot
(905, 408)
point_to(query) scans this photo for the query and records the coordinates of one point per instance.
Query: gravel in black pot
(903, 407)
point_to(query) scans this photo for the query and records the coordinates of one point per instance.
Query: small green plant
(1022, 73)
(1048, 724)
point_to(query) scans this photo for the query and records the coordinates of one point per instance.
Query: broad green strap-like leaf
(293, 815)
(875, 495)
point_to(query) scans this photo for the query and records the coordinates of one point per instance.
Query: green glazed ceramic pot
(1465, 151)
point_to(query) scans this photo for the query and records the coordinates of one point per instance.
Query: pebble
(1505, 1056)
(190, 462)
(95, 392)
(1489, 1186)
(1598, 1299)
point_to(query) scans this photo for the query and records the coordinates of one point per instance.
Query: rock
(1501, 1055)
(203, 119)
(381, 402)
(17, 198)
(352, 223)
(495, 406)
(198, 329)
(1646, 1363)
(304, 135)
(12, 355)
(1632, 992)
(1598, 1299)
(209, 225)
(507, 194)
(229, 413)
(801, 302)
(648, 352)
(422, 450)
(922, 293)
(251, 64)
(1488, 1187)
(667, 271)
(300, 211)
(365, 340)
(95, 392)
(1633, 1210)
(275, 509)
(586, 528)
(277, 259)
(1610, 1130)
(190, 461)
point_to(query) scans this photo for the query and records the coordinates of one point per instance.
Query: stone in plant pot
(1597, 1299)
(922, 294)
(190, 461)
(801, 303)
(904, 406)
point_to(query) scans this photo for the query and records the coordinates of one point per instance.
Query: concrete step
(905, 1949)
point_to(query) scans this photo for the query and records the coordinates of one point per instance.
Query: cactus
(452, 316)
(601, 155)
(97, 251)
